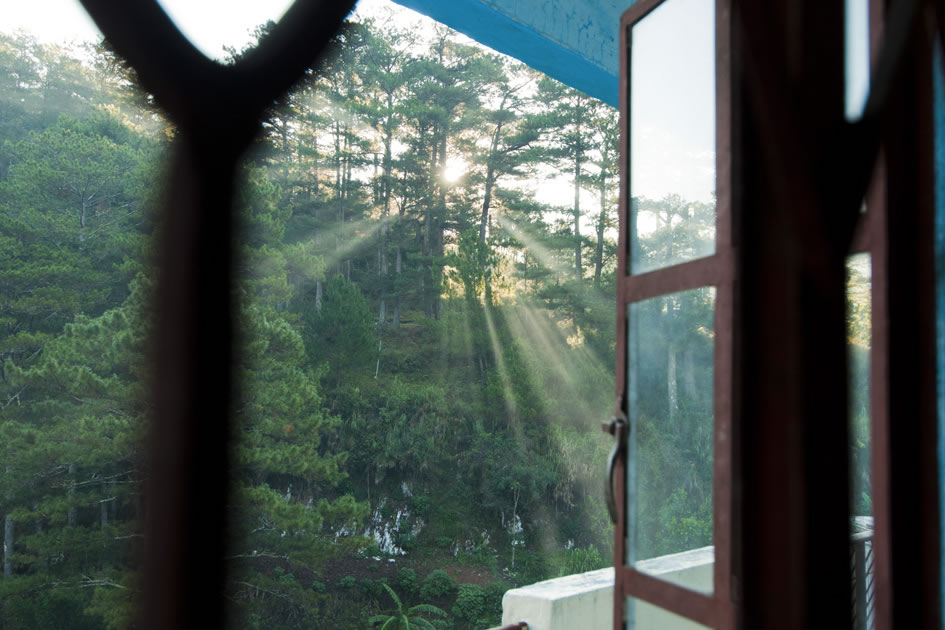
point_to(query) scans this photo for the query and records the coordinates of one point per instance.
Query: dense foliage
(427, 346)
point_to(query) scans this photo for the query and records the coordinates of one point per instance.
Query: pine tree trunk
(382, 272)
(398, 267)
(672, 392)
(339, 197)
(385, 192)
(438, 243)
(428, 217)
(376, 187)
(601, 221)
(428, 231)
(578, 270)
(318, 296)
(490, 182)
(486, 202)
(284, 133)
(515, 495)
(427, 303)
(315, 164)
(689, 377)
(345, 187)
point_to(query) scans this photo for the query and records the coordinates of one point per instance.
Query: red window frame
(717, 270)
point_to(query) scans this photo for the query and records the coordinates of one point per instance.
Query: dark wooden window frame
(216, 110)
(786, 156)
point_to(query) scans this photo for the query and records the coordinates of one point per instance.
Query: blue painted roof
(574, 41)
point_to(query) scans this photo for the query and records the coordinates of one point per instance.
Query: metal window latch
(617, 427)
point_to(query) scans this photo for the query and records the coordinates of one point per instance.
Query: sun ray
(508, 393)
(555, 341)
(550, 353)
(539, 251)
(468, 339)
(350, 238)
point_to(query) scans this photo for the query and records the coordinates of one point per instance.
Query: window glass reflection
(672, 135)
(670, 384)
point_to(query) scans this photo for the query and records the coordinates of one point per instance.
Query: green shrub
(342, 331)
(470, 603)
(347, 581)
(493, 604)
(285, 578)
(407, 581)
(436, 585)
(421, 505)
(319, 587)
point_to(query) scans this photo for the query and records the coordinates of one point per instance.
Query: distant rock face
(515, 528)
(385, 532)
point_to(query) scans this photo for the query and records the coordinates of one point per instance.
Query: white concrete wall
(585, 601)
(576, 601)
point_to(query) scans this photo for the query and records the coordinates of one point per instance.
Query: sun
(454, 170)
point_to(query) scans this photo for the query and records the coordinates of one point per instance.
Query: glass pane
(858, 344)
(859, 303)
(641, 615)
(670, 384)
(857, 56)
(672, 135)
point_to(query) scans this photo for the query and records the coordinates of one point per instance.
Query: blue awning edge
(513, 37)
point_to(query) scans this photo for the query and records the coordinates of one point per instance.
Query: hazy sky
(674, 131)
(209, 24)
(213, 24)
(672, 102)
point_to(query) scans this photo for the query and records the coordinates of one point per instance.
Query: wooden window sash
(717, 270)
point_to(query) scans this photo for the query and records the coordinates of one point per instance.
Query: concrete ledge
(582, 601)
(586, 600)
(692, 569)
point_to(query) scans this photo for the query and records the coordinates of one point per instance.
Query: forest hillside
(426, 305)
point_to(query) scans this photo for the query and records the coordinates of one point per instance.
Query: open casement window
(675, 300)
(743, 182)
